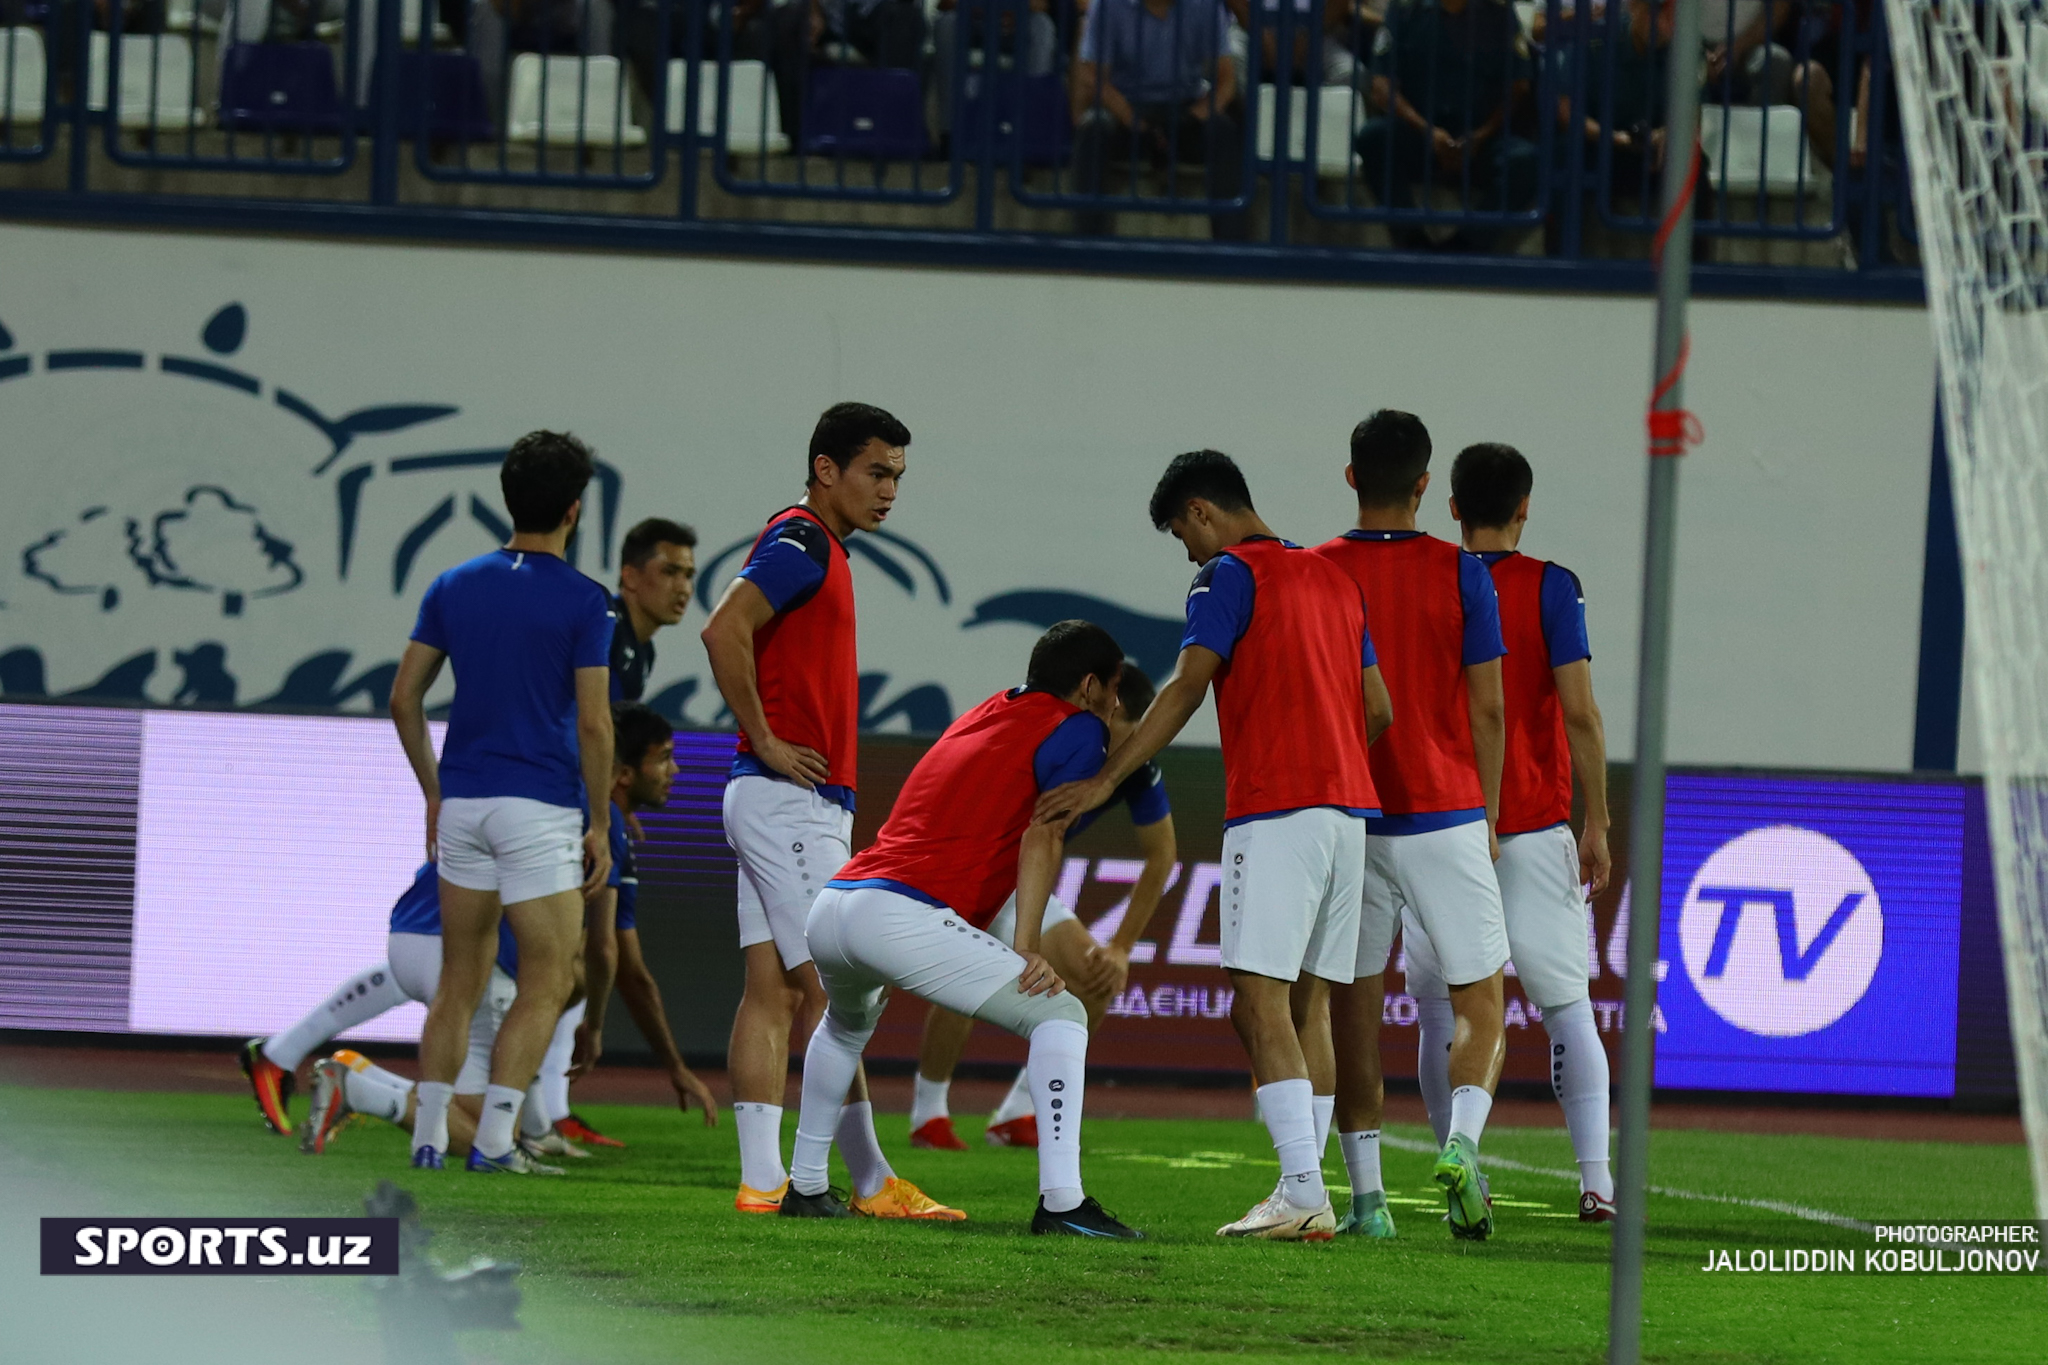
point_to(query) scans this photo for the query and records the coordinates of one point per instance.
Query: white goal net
(1972, 82)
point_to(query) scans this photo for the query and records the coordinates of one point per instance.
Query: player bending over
(1094, 972)
(912, 910)
(1429, 857)
(782, 649)
(517, 800)
(1553, 729)
(643, 767)
(1282, 634)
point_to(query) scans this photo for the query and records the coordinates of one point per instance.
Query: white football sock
(760, 1129)
(430, 1120)
(866, 1167)
(1058, 1075)
(1578, 1073)
(829, 1066)
(377, 1092)
(356, 1001)
(495, 1127)
(1470, 1104)
(1325, 1109)
(1288, 1107)
(928, 1101)
(1362, 1160)
(533, 1114)
(553, 1076)
(1433, 1061)
(1017, 1104)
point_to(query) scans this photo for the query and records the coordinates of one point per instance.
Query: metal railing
(1335, 128)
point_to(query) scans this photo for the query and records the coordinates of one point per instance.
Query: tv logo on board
(1781, 931)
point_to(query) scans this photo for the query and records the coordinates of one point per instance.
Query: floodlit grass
(638, 1256)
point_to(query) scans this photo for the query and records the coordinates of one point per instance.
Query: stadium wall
(235, 461)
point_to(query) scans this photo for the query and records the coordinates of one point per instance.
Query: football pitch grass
(637, 1256)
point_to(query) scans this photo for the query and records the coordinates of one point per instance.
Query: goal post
(1972, 89)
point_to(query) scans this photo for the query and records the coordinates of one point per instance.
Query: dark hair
(844, 431)
(638, 546)
(1206, 474)
(637, 728)
(1134, 690)
(1489, 481)
(1389, 452)
(1069, 652)
(544, 473)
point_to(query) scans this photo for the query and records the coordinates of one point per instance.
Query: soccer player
(1436, 622)
(911, 911)
(1094, 972)
(1282, 634)
(657, 573)
(643, 767)
(517, 802)
(1553, 729)
(782, 648)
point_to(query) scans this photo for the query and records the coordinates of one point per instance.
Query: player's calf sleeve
(1325, 1109)
(760, 1132)
(1362, 1161)
(1058, 1071)
(1470, 1105)
(1288, 1109)
(862, 1150)
(533, 1114)
(1433, 1060)
(430, 1119)
(356, 1001)
(378, 1093)
(829, 1064)
(553, 1077)
(928, 1101)
(1578, 1074)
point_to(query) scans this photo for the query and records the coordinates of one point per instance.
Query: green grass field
(637, 1255)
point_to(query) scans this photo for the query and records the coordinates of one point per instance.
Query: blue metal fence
(1304, 136)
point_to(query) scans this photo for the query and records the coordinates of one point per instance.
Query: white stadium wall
(184, 479)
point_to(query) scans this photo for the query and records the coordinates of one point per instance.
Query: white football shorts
(1291, 893)
(1439, 884)
(520, 848)
(789, 843)
(868, 939)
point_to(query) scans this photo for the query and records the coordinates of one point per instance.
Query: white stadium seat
(1764, 149)
(24, 72)
(1339, 116)
(753, 117)
(591, 86)
(174, 107)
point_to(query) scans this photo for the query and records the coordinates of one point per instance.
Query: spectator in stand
(818, 33)
(1154, 78)
(1035, 51)
(1633, 104)
(1446, 77)
(1334, 61)
(753, 35)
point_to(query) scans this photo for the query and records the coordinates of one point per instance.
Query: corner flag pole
(1671, 429)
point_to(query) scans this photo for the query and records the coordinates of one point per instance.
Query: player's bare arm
(1587, 736)
(729, 643)
(642, 995)
(1038, 867)
(1178, 700)
(1110, 965)
(417, 670)
(594, 752)
(1379, 706)
(1486, 700)
(600, 969)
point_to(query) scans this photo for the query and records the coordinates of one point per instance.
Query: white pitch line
(1811, 1215)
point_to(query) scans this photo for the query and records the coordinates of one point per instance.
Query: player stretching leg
(782, 650)
(911, 910)
(643, 767)
(1094, 972)
(1436, 621)
(1553, 729)
(528, 751)
(1297, 707)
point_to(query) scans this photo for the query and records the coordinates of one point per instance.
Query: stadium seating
(280, 88)
(753, 116)
(440, 96)
(1029, 110)
(1339, 116)
(1760, 149)
(24, 72)
(571, 102)
(173, 106)
(866, 113)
